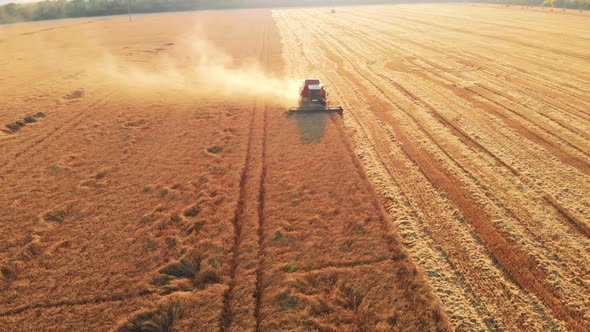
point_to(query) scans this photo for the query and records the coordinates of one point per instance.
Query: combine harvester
(313, 99)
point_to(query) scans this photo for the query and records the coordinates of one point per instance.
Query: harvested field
(150, 175)
(473, 124)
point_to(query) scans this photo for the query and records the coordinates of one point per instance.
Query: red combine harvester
(313, 99)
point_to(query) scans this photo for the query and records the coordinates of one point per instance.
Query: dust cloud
(190, 64)
(199, 68)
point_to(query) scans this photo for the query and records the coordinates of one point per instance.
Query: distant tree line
(58, 9)
(571, 4)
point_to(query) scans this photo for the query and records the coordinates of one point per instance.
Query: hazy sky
(3, 2)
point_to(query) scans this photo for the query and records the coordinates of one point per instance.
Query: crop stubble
(479, 152)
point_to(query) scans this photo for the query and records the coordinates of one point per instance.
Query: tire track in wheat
(260, 270)
(226, 316)
(249, 181)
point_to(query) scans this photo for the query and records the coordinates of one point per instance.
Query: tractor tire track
(260, 274)
(260, 282)
(249, 183)
(226, 315)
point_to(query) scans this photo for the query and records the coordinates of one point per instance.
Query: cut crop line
(369, 132)
(574, 130)
(503, 67)
(389, 237)
(502, 39)
(518, 265)
(548, 132)
(572, 221)
(576, 224)
(565, 157)
(577, 162)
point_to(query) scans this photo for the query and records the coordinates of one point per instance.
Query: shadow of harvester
(311, 126)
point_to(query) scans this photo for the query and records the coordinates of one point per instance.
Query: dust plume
(196, 66)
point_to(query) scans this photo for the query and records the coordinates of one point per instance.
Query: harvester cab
(313, 98)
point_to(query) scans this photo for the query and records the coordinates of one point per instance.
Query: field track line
(585, 136)
(94, 300)
(260, 268)
(260, 283)
(226, 315)
(519, 266)
(386, 222)
(396, 249)
(576, 224)
(580, 133)
(226, 319)
(464, 19)
(585, 169)
(381, 150)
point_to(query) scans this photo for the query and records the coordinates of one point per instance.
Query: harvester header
(313, 98)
